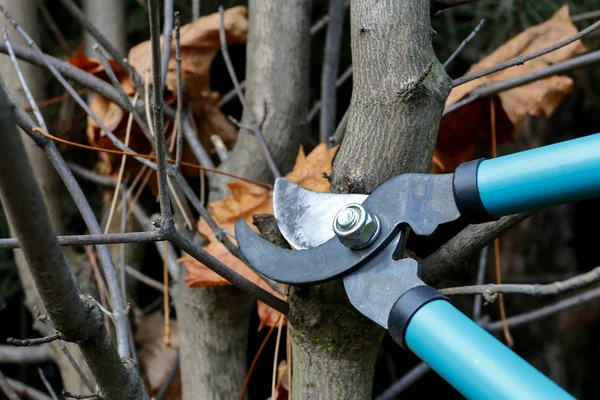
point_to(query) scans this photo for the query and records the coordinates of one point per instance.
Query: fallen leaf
(245, 201)
(199, 45)
(155, 358)
(456, 141)
(283, 384)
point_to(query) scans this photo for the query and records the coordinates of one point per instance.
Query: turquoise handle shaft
(543, 177)
(472, 360)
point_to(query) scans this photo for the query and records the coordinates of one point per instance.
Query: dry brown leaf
(457, 130)
(199, 45)
(155, 358)
(245, 201)
(283, 385)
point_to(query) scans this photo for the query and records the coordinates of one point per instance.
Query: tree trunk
(277, 77)
(108, 16)
(397, 101)
(24, 11)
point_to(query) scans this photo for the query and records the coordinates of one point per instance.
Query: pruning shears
(362, 239)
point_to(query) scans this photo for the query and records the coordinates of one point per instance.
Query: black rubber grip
(466, 193)
(406, 306)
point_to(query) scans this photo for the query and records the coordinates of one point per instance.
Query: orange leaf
(456, 140)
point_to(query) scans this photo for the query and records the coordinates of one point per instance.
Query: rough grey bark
(109, 17)
(397, 101)
(75, 315)
(46, 176)
(277, 75)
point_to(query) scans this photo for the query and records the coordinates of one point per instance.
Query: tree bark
(277, 78)
(397, 101)
(108, 16)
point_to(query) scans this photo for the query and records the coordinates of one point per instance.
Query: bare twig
(27, 390)
(256, 130)
(47, 384)
(586, 15)
(465, 42)
(555, 288)
(489, 90)
(316, 108)
(33, 342)
(195, 9)
(179, 150)
(451, 256)
(329, 73)
(167, 38)
(157, 105)
(524, 58)
(440, 5)
(223, 270)
(76, 318)
(563, 305)
(169, 378)
(483, 256)
(26, 355)
(81, 240)
(8, 390)
(403, 383)
(105, 43)
(50, 328)
(122, 248)
(338, 135)
(54, 28)
(138, 276)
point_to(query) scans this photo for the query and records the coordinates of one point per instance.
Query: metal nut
(355, 227)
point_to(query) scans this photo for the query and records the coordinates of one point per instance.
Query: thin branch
(316, 108)
(167, 38)
(483, 257)
(50, 328)
(331, 60)
(532, 316)
(403, 383)
(33, 342)
(179, 150)
(586, 15)
(338, 135)
(47, 384)
(82, 240)
(440, 5)
(256, 130)
(54, 28)
(157, 106)
(36, 111)
(26, 355)
(524, 58)
(465, 42)
(223, 270)
(451, 256)
(27, 390)
(76, 317)
(8, 390)
(195, 9)
(169, 378)
(138, 276)
(112, 50)
(122, 248)
(556, 69)
(550, 289)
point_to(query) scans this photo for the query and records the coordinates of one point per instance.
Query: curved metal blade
(305, 217)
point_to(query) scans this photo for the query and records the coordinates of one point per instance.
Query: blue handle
(472, 360)
(547, 176)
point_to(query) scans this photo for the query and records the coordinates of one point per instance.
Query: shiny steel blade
(305, 217)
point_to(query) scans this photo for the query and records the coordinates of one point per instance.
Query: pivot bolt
(355, 227)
